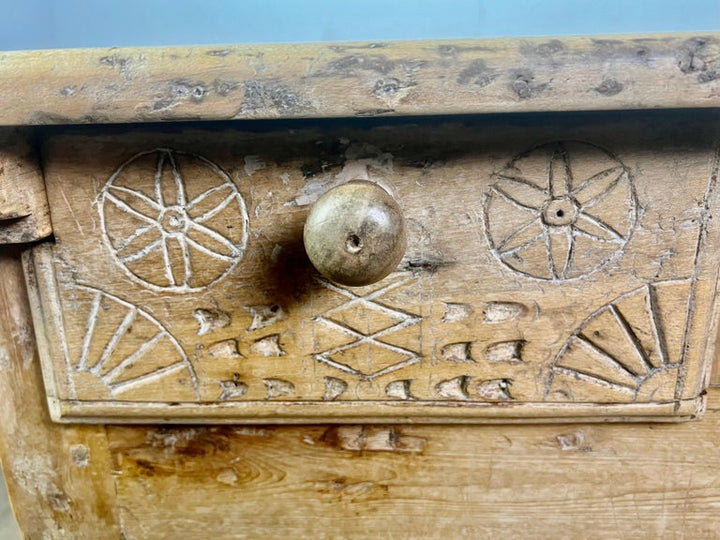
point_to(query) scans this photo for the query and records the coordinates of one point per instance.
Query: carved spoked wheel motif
(628, 350)
(174, 221)
(560, 211)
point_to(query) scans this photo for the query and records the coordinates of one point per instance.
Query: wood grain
(577, 480)
(573, 481)
(359, 79)
(715, 368)
(24, 211)
(58, 479)
(358, 480)
(556, 272)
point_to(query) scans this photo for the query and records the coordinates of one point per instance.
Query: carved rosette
(168, 230)
(560, 211)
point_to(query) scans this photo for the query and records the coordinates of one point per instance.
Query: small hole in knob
(560, 213)
(353, 243)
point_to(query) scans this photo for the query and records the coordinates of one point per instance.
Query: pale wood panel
(58, 479)
(360, 79)
(572, 481)
(178, 287)
(715, 367)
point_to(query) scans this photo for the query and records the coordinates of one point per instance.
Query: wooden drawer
(557, 268)
(561, 264)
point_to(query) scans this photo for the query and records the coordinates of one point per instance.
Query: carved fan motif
(124, 348)
(173, 221)
(560, 211)
(628, 350)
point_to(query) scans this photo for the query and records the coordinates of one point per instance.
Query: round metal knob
(355, 234)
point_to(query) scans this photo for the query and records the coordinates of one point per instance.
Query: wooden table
(539, 362)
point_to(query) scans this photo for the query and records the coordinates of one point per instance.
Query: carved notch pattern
(173, 221)
(350, 356)
(560, 211)
(628, 350)
(119, 372)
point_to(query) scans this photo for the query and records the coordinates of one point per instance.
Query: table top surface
(373, 79)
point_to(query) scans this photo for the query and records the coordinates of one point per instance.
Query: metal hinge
(24, 209)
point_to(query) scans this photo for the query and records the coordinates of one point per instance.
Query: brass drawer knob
(355, 234)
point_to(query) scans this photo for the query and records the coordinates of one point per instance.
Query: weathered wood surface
(356, 481)
(359, 79)
(24, 212)
(59, 480)
(560, 270)
(571, 481)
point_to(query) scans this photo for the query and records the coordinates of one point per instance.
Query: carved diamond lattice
(364, 326)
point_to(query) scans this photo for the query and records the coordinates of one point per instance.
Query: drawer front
(557, 268)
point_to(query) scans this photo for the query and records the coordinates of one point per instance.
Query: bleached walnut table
(390, 245)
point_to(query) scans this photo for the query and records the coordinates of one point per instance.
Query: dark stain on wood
(690, 58)
(123, 64)
(373, 112)
(708, 76)
(170, 450)
(351, 65)
(389, 87)
(544, 50)
(49, 118)
(477, 73)
(524, 85)
(695, 57)
(446, 50)
(218, 52)
(188, 89)
(353, 47)
(223, 87)
(430, 264)
(451, 50)
(263, 94)
(641, 50)
(609, 87)
(115, 61)
(180, 90)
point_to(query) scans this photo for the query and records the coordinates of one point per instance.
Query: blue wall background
(42, 24)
